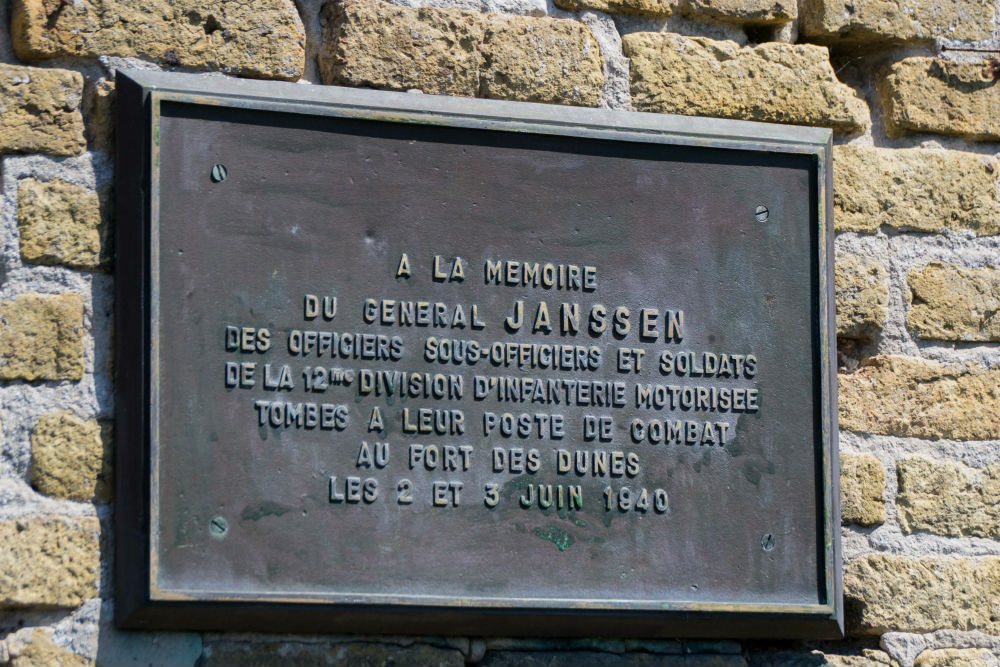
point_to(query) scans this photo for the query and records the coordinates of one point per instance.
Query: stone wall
(917, 276)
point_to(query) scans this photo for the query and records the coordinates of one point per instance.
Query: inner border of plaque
(142, 602)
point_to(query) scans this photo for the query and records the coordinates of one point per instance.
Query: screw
(767, 542)
(760, 212)
(218, 526)
(219, 173)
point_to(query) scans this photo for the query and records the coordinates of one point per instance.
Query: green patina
(556, 536)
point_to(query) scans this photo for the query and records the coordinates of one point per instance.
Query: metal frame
(140, 604)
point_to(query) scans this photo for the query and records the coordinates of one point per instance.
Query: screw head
(218, 526)
(767, 542)
(219, 173)
(761, 213)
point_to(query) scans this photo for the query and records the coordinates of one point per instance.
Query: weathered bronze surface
(411, 364)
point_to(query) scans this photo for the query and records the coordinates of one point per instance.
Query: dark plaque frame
(144, 601)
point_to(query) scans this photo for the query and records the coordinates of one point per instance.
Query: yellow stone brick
(955, 657)
(99, 114)
(71, 458)
(948, 498)
(862, 487)
(880, 21)
(750, 12)
(48, 562)
(945, 97)
(886, 593)
(552, 61)
(33, 647)
(41, 337)
(914, 190)
(895, 395)
(862, 296)
(455, 52)
(949, 302)
(779, 83)
(648, 7)
(256, 38)
(41, 111)
(62, 223)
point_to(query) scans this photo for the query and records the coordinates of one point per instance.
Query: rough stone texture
(751, 12)
(41, 337)
(949, 302)
(914, 190)
(40, 111)
(862, 296)
(895, 395)
(948, 498)
(387, 46)
(48, 562)
(541, 60)
(99, 114)
(862, 487)
(857, 21)
(306, 654)
(71, 458)
(886, 592)
(697, 76)
(456, 52)
(61, 223)
(946, 97)
(256, 38)
(955, 657)
(585, 658)
(649, 7)
(33, 647)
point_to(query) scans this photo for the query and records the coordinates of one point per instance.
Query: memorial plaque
(414, 364)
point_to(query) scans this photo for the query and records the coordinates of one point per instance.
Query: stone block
(456, 52)
(48, 562)
(914, 190)
(880, 22)
(33, 647)
(905, 396)
(774, 82)
(948, 498)
(949, 302)
(749, 12)
(99, 114)
(379, 45)
(955, 657)
(536, 658)
(886, 593)
(62, 223)
(647, 7)
(862, 488)
(256, 38)
(944, 97)
(862, 296)
(41, 111)
(71, 458)
(553, 61)
(41, 337)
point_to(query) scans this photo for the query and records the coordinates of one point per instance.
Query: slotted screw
(218, 526)
(219, 173)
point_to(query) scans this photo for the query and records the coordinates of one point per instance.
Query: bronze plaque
(403, 363)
